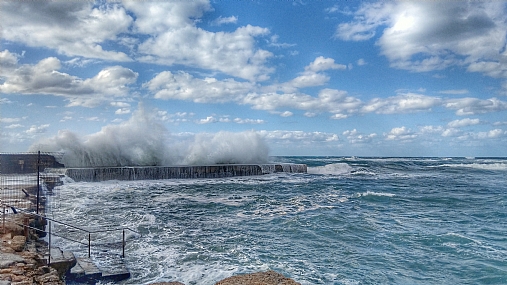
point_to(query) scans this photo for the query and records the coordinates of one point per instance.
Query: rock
(18, 243)
(8, 259)
(259, 278)
(167, 283)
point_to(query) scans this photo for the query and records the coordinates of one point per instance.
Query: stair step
(84, 269)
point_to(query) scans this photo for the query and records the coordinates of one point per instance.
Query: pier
(98, 174)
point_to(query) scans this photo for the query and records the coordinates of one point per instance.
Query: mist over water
(143, 141)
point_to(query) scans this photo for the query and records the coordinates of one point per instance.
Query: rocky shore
(22, 259)
(258, 278)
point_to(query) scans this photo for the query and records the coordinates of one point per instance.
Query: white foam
(331, 169)
(483, 166)
(371, 193)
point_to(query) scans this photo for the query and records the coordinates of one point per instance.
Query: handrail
(68, 225)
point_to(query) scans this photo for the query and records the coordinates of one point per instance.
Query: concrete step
(112, 266)
(84, 271)
(101, 266)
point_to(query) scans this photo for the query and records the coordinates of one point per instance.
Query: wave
(143, 141)
(331, 169)
(339, 169)
(481, 166)
(371, 193)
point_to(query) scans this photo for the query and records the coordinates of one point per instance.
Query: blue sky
(408, 78)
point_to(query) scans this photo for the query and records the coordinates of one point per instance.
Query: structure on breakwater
(177, 172)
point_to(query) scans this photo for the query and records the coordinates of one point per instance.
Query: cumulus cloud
(183, 86)
(174, 38)
(224, 20)
(426, 35)
(454, 92)
(402, 103)
(355, 137)
(474, 106)
(71, 28)
(463, 123)
(401, 134)
(321, 64)
(45, 78)
(34, 129)
(291, 136)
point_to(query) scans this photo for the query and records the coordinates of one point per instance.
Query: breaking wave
(331, 169)
(481, 166)
(143, 141)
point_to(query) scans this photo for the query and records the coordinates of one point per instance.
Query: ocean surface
(348, 221)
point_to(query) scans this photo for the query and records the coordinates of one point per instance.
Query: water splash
(143, 141)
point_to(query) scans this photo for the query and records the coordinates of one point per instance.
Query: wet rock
(8, 259)
(259, 278)
(167, 283)
(18, 243)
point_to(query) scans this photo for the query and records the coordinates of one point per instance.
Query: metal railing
(50, 233)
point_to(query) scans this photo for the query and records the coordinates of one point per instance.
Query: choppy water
(348, 221)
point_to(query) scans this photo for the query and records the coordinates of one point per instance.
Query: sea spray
(143, 141)
(227, 148)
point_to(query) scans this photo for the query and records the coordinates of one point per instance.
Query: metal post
(49, 244)
(38, 176)
(123, 245)
(89, 244)
(3, 220)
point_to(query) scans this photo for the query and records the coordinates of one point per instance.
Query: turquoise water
(348, 221)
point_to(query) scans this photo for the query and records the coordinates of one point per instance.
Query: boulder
(259, 278)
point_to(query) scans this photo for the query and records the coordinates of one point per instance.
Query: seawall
(178, 172)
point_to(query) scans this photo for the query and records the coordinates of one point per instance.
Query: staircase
(103, 266)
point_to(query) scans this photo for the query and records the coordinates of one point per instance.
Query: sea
(349, 220)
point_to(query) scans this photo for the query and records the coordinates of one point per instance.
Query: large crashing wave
(143, 141)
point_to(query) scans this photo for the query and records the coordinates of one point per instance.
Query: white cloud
(249, 121)
(492, 134)
(425, 35)
(44, 78)
(174, 38)
(37, 129)
(321, 64)
(183, 86)
(208, 120)
(14, 126)
(120, 104)
(8, 61)
(401, 134)
(473, 106)
(463, 123)
(355, 137)
(403, 103)
(122, 111)
(366, 20)
(10, 120)
(361, 62)
(286, 114)
(227, 20)
(454, 92)
(291, 136)
(71, 28)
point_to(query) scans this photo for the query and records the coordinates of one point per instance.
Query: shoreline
(22, 256)
(23, 261)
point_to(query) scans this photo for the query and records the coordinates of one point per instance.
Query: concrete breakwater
(178, 172)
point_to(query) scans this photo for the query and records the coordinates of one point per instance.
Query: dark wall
(26, 163)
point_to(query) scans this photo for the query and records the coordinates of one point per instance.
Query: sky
(328, 78)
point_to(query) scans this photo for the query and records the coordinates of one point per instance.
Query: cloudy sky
(408, 78)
